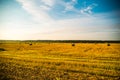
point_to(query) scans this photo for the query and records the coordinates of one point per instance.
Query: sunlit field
(59, 61)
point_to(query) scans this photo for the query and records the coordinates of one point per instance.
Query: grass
(59, 61)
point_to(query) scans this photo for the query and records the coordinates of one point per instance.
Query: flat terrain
(59, 61)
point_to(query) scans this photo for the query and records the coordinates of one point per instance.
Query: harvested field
(59, 61)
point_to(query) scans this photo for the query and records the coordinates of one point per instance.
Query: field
(59, 61)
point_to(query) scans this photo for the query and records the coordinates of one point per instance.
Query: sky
(59, 19)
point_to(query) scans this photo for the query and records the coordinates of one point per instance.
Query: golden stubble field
(59, 61)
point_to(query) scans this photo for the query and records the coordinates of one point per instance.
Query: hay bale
(30, 44)
(73, 44)
(2, 49)
(108, 44)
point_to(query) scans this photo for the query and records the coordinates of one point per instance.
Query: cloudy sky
(59, 19)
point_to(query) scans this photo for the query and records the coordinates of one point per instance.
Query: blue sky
(59, 19)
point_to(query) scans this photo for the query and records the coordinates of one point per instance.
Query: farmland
(59, 61)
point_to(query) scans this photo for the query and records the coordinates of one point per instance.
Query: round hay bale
(30, 44)
(73, 44)
(2, 49)
(108, 44)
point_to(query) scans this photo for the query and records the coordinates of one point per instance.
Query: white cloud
(45, 7)
(88, 9)
(39, 8)
(69, 6)
(49, 2)
(38, 12)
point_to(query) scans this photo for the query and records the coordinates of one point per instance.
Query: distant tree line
(63, 41)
